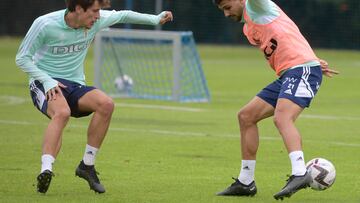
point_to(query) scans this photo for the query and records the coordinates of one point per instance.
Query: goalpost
(162, 65)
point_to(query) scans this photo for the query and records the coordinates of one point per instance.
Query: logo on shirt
(73, 48)
(270, 48)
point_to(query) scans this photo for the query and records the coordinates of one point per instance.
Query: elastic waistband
(309, 64)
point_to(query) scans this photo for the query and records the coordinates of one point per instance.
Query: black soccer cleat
(294, 184)
(44, 180)
(90, 175)
(239, 189)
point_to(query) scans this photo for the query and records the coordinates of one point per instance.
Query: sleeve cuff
(49, 85)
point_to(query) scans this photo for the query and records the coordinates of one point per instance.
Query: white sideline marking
(12, 100)
(329, 117)
(15, 100)
(16, 122)
(165, 132)
(161, 107)
(174, 108)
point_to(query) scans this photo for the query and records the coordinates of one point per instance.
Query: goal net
(162, 65)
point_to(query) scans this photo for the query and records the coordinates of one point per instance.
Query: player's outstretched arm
(326, 70)
(109, 18)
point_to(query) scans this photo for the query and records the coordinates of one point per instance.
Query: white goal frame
(174, 36)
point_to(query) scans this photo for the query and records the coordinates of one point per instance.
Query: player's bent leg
(255, 111)
(285, 115)
(59, 113)
(102, 105)
(248, 117)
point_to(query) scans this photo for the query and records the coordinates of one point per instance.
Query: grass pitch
(189, 152)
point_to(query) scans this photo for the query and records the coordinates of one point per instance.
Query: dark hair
(217, 2)
(85, 4)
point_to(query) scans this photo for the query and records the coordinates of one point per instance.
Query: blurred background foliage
(325, 23)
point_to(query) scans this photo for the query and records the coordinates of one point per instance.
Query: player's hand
(166, 18)
(326, 70)
(52, 93)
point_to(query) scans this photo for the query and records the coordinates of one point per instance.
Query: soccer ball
(323, 173)
(123, 83)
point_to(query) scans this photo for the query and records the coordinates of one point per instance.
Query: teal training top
(262, 11)
(52, 49)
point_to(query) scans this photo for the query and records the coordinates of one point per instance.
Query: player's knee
(107, 106)
(245, 117)
(279, 120)
(282, 119)
(62, 114)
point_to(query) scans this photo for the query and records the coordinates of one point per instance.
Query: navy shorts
(72, 93)
(298, 85)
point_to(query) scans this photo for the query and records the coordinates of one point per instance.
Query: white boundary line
(322, 117)
(15, 100)
(176, 133)
(160, 107)
(12, 100)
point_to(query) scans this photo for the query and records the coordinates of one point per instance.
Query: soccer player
(300, 74)
(52, 54)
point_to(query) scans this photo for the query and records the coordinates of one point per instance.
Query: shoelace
(290, 177)
(93, 174)
(236, 181)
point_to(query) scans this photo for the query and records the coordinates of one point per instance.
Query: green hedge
(325, 23)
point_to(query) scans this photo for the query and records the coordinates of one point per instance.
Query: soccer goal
(162, 65)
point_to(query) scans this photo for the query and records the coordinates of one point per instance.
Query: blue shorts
(299, 85)
(72, 93)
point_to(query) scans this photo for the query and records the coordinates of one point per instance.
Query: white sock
(90, 155)
(247, 171)
(46, 162)
(297, 163)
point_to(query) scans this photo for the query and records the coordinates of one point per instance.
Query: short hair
(217, 2)
(85, 4)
